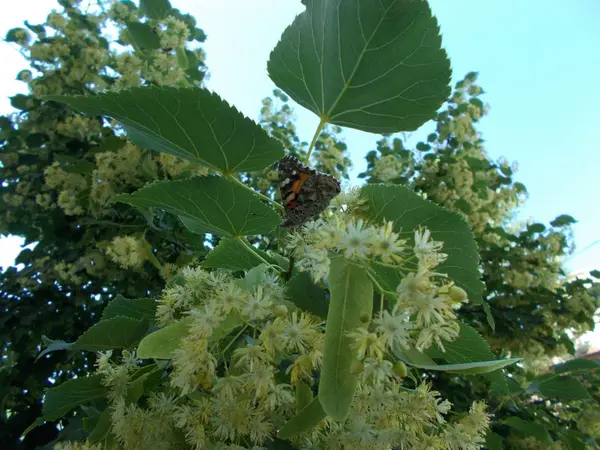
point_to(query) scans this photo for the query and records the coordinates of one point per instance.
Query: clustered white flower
(423, 313)
(353, 238)
(235, 389)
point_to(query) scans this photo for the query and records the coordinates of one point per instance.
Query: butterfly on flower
(305, 193)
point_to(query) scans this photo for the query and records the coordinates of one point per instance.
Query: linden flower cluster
(428, 296)
(353, 238)
(234, 374)
(126, 251)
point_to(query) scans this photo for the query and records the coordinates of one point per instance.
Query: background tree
(59, 171)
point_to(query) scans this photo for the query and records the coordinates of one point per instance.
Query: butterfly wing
(305, 193)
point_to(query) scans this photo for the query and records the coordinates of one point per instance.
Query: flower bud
(400, 369)
(457, 294)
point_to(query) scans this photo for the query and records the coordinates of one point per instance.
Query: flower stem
(314, 140)
(378, 287)
(251, 249)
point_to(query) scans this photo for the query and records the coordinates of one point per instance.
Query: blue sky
(538, 63)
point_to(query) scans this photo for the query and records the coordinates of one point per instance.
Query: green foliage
(360, 65)
(162, 343)
(113, 333)
(232, 254)
(70, 394)
(308, 296)
(408, 211)
(306, 419)
(190, 123)
(138, 308)
(208, 205)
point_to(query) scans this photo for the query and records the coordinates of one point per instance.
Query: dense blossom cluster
(235, 373)
(424, 294)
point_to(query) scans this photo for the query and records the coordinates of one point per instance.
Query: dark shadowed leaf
(143, 36)
(563, 387)
(578, 366)
(191, 123)
(306, 295)
(60, 400)
(102, 427)
(536, 430)
(373, 65)
(493, 441)
(213, 203)
(562, 221)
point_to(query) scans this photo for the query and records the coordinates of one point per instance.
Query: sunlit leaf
(162, 343)
(373, 65)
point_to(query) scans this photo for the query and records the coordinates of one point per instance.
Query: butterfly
(305, 193)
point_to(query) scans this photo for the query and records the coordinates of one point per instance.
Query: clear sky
(539, 63)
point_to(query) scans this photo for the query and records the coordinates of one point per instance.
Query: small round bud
(280, 311)
(400, 369)
(365, 317)
(457, 294)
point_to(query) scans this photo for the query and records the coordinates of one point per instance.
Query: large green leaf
(351, 300)
(136, 308)
(60, 400)
(191, 123)
(408, 211)
(564, 387)
(116, 332)
(305, 420)
(213, 203)
(373, 65)
(468, 347)
(232, 254)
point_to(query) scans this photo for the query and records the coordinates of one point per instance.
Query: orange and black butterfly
(305, 193)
